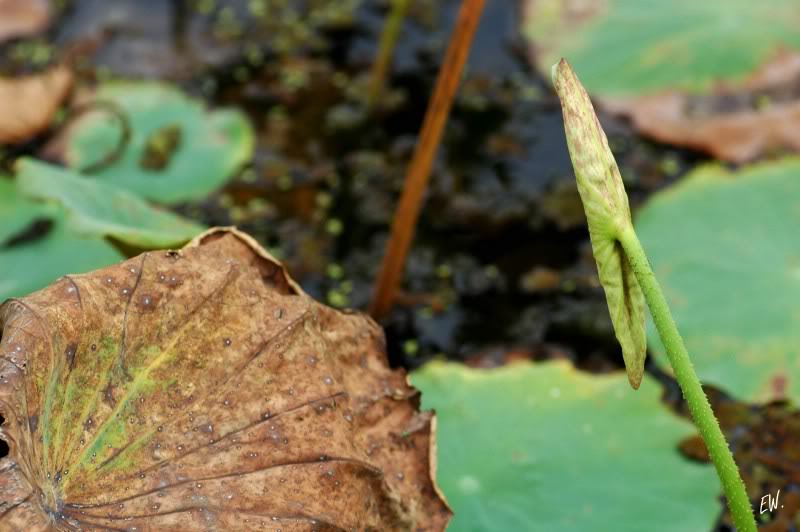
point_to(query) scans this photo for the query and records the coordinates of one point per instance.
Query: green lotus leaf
(37, 247)
(543, 447)
(16, 212)
(177, 150)
(725, 248)
(633, 47)
(97, 208)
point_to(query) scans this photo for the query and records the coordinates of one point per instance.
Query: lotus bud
(608, 215)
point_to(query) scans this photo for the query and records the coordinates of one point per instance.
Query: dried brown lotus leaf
(20, 18)
(203, 390)
(28, 104)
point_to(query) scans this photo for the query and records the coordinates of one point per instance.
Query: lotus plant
(629, 281)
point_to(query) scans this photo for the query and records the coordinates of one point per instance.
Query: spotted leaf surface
(201, 389)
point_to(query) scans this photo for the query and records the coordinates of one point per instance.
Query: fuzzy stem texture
(703, 416)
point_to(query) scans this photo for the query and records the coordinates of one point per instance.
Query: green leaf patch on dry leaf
(201, 389)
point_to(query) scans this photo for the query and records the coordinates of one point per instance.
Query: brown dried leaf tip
(203, 390)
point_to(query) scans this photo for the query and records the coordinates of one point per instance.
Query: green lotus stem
(703, 416)
(389, 36)
(628, 279)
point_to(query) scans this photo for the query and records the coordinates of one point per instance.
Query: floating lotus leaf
(201, 389)
(96, 208)
(543, 447)
(37, 247)
(17, 212)
(713, 76)
(631, 47)
(725, 248)
(177, 150)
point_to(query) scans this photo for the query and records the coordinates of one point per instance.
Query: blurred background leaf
(716, 76)
(37, 246)
(96, 208)
(724, 245)
(177, 150)
(634, 47)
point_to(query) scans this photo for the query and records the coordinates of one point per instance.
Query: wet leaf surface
(28, 104)
(546, 447)
(97, 208)
(202, 388)
(177, 150)
(724, 248)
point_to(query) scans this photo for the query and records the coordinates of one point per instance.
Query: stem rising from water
(703, 416)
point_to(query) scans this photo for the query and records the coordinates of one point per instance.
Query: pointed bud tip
(559, 69)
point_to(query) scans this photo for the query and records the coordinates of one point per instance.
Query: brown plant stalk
(405, 217)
